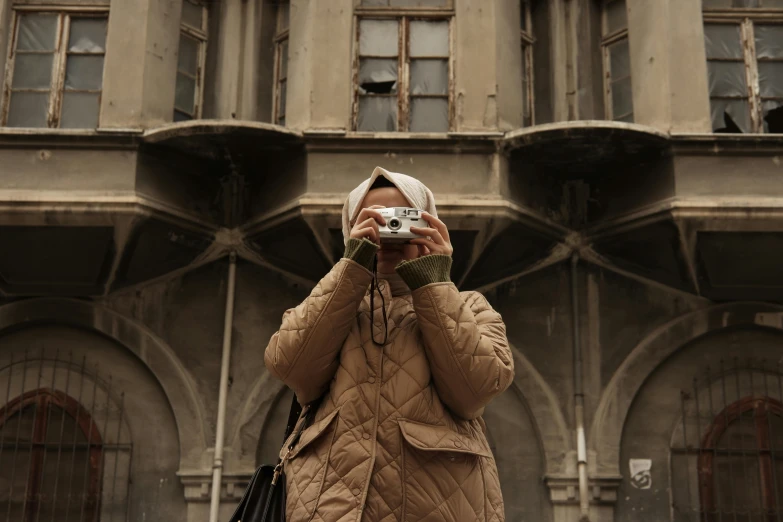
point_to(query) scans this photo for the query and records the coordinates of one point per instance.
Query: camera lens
(394, 224)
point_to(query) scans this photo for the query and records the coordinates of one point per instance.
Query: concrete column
(668, 65)
(320, 64)
(141, 63)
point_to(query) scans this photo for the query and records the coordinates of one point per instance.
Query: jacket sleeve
(304, 352)
(465, 341)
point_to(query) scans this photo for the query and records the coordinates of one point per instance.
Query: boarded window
(56, 70)
(388, 100)
(188, 95)
(618, 98)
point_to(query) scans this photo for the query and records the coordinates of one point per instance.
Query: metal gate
(65, 449)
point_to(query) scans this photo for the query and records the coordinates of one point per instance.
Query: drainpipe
(579, 398)
(217, 465)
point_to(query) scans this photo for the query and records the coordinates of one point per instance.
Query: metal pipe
(579, 398)
(217, 465)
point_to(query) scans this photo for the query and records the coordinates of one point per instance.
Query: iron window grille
(744, 48)
(191, 60)
(54, 72)
(403, 70)
(281, 61)
(727, 452)
(528, 41)
(618, 91)
(65, 454)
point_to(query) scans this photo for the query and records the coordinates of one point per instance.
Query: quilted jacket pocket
(442, 473)
(306, 467)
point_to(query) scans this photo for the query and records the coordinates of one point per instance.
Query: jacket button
(371, 379)
(356, 492)
(366, 436)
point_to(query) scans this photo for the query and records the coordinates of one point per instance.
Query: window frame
(202, 36)
(404, 16)
(607, 41)
(762, 408)
(42, 398)
(528, 40)
(747, 19)
(59, 62)
(280, 41)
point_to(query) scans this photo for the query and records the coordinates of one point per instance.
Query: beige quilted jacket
(398, 436)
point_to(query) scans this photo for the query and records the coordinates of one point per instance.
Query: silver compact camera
(399, 221)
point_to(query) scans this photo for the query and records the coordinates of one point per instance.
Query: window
(190, 61)
(618, 98)
(727, 452)
(741, 465)
(745, 64)
(50, 459)
(403, 70)
(55, 70)
(281, 61)
(526, 33)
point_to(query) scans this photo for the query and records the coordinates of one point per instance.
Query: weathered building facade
(171, 180)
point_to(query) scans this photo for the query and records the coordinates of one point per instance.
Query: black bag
(264, 498)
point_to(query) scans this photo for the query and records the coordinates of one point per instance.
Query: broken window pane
(619, 60)
(773, 115)
(732, 116)
(84, 73)
(727, 79)
(722, 41)
(622, 98)
(88, 35)
(418, 3)
(771, 79)
(429, 77)
(429, 39)
(187, 61)
(185, 93)
(429, 115)
(28, 109)
(616, 16)
(378, 76)
(769, 41)
(80, 111)
(37, 32)
(32, 71)
(378, 37)
(192, 14)
(377, 113)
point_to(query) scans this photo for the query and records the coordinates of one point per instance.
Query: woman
(405, 369)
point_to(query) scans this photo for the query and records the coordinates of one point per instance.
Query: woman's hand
(367, 224)
(436, 237)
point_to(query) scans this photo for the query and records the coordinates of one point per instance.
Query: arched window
(745, 64)
(741, 463)
(618, 98)
(50, 459)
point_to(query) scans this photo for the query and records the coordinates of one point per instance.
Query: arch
(612, 412)
(531, 387)
(156, 355)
